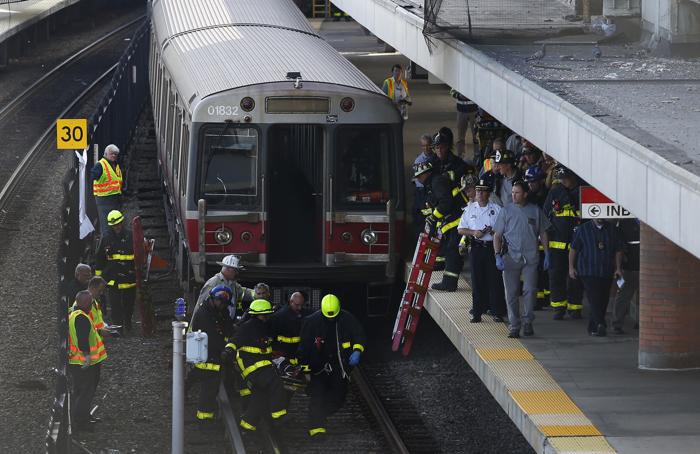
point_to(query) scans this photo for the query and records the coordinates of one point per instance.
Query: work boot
(475, 319)
(527, 330)
(558, 313)
(575, 314)
(514, 334)
(439, 266)
(445, 287)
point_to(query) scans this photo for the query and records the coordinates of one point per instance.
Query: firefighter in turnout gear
(332, 341)
(115, 263)
(446, 200)
(253, 348)
(212, 318)
(562, 209)
(286, 327)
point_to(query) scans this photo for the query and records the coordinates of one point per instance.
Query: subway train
(272, 146)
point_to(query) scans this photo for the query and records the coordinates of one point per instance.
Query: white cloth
(86, 226)
(476, 217)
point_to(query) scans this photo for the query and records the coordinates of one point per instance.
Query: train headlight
(247, 104)
(223, 236)
(346, 237)
(347, 104)
(368, 237)
(246, 236)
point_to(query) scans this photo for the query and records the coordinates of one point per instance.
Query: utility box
(197, 347)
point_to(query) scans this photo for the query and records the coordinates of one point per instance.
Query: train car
(272, 146)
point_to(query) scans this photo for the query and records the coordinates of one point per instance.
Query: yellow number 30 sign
(71, 134)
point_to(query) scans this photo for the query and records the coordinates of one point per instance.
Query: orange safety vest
(110, 182)
(390, 83)
(97, 347)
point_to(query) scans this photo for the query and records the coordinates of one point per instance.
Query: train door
(295, 169)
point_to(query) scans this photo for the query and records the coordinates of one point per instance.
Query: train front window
(362, 176)
(230, 166)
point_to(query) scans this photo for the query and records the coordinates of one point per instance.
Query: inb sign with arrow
(595, 205)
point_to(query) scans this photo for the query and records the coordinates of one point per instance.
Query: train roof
(217, 45)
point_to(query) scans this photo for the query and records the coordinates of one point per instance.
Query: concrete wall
(678, 20)
(660, 193)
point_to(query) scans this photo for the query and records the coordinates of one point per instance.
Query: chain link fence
(113, 121)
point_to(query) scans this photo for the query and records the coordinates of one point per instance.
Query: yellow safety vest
(97, 347)
(95, 314)
(390, 84)
(110, 182)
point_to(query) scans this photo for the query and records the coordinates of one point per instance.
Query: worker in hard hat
(115, 263)
(230, 268)
(107, 185)
(211, 317)
(332, 342)
(252, 345)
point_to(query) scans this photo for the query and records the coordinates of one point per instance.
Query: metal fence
(113, 122)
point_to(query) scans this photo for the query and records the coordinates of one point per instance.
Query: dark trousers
(419, 200)
(327, 392)
(84, 385)
(542, 284)
(598, 293)
(268, 396)
(487, 281)
(104, 206)
(208, 389)
(122, 305)
(565, 293)
(449, 249)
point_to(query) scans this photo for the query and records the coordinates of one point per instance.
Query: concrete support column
(669, 309)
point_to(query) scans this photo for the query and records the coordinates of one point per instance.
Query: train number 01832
(222, 111)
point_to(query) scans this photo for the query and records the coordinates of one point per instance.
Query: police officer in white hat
(230, 267)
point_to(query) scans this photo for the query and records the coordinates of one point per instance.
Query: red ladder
(414, 295)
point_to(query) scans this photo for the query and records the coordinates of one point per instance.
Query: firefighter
(332, 341)
(447, 161)
(537, 195)
(285, 325)
(253, 349)
(86, 352)
(230, 268)
(115, 263)
(107, 185)
(562, 209)
(446, 201)
(212, 318)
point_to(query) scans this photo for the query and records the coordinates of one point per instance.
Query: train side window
(362, 176)
(172, 119)
(177, 142)
(230, 166)
(157, 97)
(184, 157)
(164, 91)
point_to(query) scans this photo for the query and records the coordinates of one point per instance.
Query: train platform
(17, 16)
(571, 393)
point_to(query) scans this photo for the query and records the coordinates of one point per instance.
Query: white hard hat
(231, 261)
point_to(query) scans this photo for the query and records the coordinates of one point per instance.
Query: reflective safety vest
(110, 182)
(390, 87)
(95, 314)
(97, 348)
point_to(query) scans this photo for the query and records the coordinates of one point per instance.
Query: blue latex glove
(354, 358)
(545, 265)
(499, 263)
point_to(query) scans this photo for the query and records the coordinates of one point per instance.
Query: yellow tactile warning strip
(588, 445)
(515, 377)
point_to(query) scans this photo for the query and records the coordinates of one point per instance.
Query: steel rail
(17, 101)
(230, 422)
(16, 178)
(375, 406)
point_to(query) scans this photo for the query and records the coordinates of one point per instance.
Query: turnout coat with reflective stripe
(115, 259)
(286, 329)
(315, 331)
(446, 199)
(97, 348)
(253, 346)
(562, 209)
(218, 327)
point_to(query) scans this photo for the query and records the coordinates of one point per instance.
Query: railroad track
(59, 93)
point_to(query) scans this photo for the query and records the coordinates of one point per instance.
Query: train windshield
(362, 166)
(230, 166)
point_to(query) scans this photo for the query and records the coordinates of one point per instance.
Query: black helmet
(561, 171)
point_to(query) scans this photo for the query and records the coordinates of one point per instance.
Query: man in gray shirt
(519, 227)
(508, 173)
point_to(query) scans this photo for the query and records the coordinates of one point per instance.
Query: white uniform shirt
(476, 217)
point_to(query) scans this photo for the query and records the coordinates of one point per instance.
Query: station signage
(71, 133)
(595, 205)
